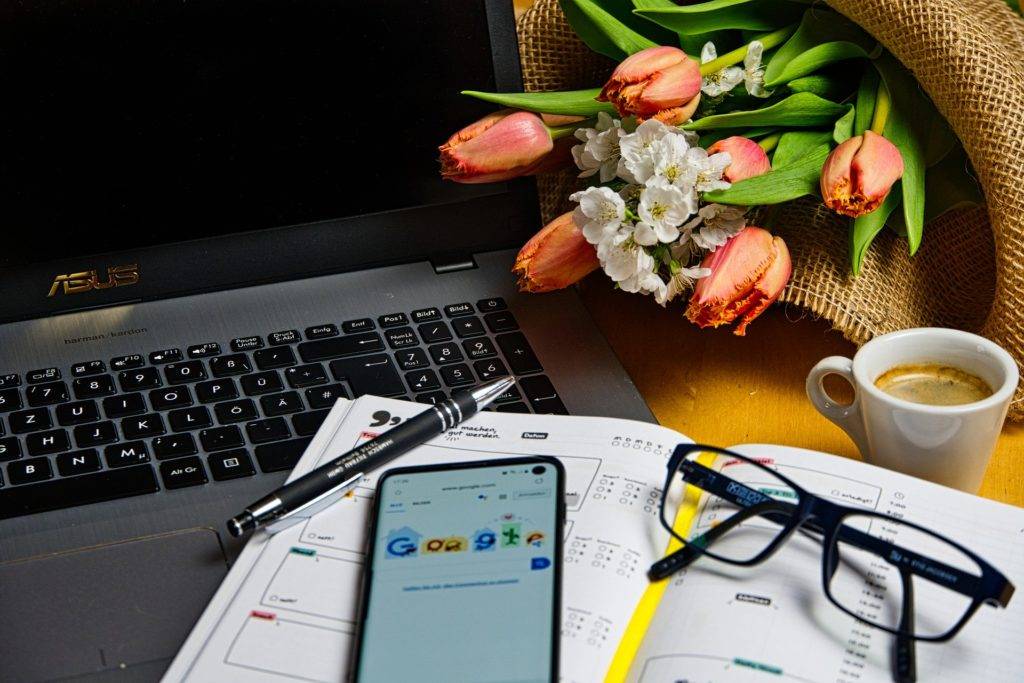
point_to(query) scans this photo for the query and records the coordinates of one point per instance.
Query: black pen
(325, 485)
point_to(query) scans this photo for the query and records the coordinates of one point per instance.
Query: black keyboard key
(426, 315)
(10, 399)
(10, 449)
(284, 337)
(165, 356)
(124, 405)
(401, 337)
(131, 362)
(306, 424)
(306, 375)
(275, 457)
(445, 353)
(321, 331)
(77, 413)
(204, 350)
(29, 471)
(31, 420)
(83, 490)
(47, 394)
(216, 390)
(88, 368)
(10, 380)
(263, 431)
(412, 359)
(231, 464)
(501, 322)
(262, 383)
(140, 378)
(431, 397)
(393, 320)
(479, 348)
(435, 332)
(509, 396)
(178, 474)
(518, 407)
(45, 443)
(125, 454)
(541, 395)
(235, 411)
(189, 419)
(325, 397)
(457, 375)
(174, 446)
(78, 462)
(340, 347)
(252, 343)
(369, 375)
(227, 366)
(219, 438)
(456, 310)
(423, 380)
(189, 371)
(487, 370)
(142, 427)
(282, 404)
(278, 357)
(361, 325)
(173, 397)
(468, 327)
(94, 387)
(491, 305)
(87, 436)
(42, 375)
(517, 351)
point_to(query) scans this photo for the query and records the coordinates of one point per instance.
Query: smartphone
(463, 574)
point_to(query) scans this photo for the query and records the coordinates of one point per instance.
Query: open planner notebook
(285, 612)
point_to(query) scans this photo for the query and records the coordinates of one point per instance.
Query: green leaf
(703, 17)
(708, 139)
(800, 110)
(795, 180)
(570, 102)
(951, 184)
(822, 38)
(843, 129)
(867, 93)
(622, 10)
(816, 58)
(601, 31)
(865, 228)
(796, 144)
(827, 87)
(909, 107)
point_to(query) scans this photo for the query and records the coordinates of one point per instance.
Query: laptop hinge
(452, 263)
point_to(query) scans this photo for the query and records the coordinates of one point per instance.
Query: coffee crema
(933, 384)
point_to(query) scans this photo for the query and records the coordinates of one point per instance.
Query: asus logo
(88, 280)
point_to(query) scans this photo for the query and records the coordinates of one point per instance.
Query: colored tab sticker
(309, 552)
(269, 616)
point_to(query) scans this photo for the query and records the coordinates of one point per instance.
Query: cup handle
(847, 417)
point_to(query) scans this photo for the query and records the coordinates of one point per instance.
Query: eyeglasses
(883, 571)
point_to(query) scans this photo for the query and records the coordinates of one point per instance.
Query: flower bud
(747, 275)
(555, 257)
(659, 82)
(503, 145)
(859, 173)
(748, 159)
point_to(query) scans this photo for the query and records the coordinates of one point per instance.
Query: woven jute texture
(968, 273)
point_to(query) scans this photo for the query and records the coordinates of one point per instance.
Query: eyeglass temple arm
(905, 655)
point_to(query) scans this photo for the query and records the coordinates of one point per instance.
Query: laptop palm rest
(124, 608)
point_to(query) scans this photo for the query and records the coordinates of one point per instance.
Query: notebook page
(772, 622)
(286, 610)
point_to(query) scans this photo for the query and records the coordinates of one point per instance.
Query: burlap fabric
(967, 55)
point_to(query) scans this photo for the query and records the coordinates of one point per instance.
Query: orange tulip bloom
(659, 82)
(503, 145)
(555, 257)
(859, 173)
(748, 159)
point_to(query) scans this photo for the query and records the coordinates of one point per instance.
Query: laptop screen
(132, 123)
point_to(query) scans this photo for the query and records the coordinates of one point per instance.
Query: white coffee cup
(949, 445)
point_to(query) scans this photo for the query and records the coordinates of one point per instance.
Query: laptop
(219, 217)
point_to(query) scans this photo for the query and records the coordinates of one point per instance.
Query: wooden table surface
(723, 390)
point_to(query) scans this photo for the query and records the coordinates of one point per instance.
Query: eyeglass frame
(991, 588)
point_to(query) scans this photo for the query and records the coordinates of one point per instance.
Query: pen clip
(311, 507)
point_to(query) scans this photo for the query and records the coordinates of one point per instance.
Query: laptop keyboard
(174, 418)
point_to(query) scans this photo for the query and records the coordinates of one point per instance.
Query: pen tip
(237, 526)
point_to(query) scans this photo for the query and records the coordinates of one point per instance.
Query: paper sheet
(286, 610)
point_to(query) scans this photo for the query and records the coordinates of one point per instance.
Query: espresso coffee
(933, 384)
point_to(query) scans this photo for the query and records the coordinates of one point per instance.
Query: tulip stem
(565, 131)
(770, 142)
(769, 40)
(883, 102)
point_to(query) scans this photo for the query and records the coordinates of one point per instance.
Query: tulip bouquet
(716, 112)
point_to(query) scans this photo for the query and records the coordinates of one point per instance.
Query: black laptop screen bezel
(438, 233)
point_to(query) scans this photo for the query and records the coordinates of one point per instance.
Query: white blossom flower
(623, 260)
(670, 162)
(721, 81)
(637, 162)
(705, 172)
(663, 208)
(600, 212)
(720, 222)
(600, 148)
(753, 72)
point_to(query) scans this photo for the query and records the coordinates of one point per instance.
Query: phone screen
(464, 580)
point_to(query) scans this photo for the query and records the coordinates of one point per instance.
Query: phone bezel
(371, 547)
